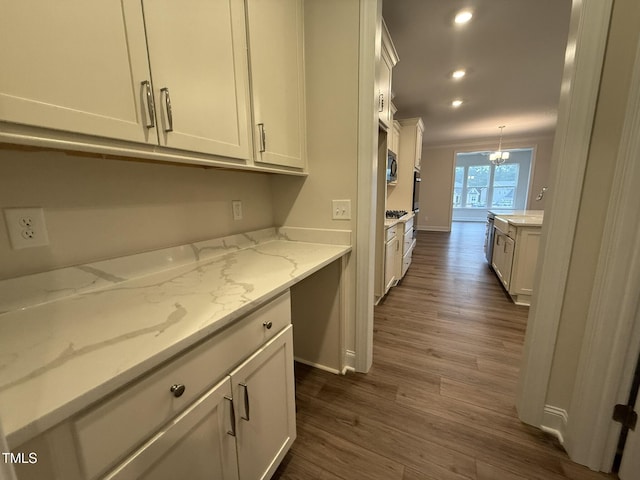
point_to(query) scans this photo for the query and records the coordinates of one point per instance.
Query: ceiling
(513, 53)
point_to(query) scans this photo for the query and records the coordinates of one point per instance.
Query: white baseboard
(554, 421)
(434, 229)
(349, 362)
(317, 365)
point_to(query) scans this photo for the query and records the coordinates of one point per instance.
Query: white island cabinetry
(515, 252)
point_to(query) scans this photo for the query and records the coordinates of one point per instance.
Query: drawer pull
(232, 413)
(177, 389)
(246, 402)
(267, 325)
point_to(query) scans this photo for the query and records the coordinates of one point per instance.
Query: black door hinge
(625, 415)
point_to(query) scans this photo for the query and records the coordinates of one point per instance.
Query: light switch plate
(26, 227)
(341, 209)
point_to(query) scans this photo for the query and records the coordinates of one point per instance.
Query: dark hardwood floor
(438, 403)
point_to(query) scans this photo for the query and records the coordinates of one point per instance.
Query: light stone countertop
(60, 355)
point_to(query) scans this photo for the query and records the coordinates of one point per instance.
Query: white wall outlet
(341, 209)
(26, 227)
(236, 207)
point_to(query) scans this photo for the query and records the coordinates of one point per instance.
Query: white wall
(97, 209)
(438, 164)
(331, 61)
(623, 38)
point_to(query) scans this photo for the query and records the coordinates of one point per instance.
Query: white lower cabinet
(198, 444)
(264, 400)
(224, 409)
(391, 253)
(240, 429)
(514, 260)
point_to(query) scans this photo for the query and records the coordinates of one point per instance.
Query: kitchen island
(516, 240)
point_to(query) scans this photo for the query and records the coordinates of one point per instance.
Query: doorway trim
(370, 34)
(610, 346)
(588, 32)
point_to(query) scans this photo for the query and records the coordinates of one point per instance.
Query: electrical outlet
(341, 209)
(26, 227)
(236, 207)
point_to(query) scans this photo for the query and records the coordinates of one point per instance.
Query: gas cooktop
(395, 213)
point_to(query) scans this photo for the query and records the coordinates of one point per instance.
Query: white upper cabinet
(388, 59)
(197, 53)
(275, 32)
(76, 66)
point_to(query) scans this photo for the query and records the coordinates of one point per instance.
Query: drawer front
(406, 261)
(390, 233)
(408, 241)
(408, 226)
(109, 432)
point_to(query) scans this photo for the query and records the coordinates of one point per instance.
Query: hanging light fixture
(499, 157)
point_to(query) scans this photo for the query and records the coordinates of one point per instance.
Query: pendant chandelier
(499, 157)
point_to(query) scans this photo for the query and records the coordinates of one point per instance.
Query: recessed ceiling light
(458, 74)
(456, 103)
(463, 17)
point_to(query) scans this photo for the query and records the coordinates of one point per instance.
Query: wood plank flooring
(438, 403)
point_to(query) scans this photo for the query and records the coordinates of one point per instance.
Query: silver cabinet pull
(246, 402)
(263, 137)
(232, 413)
(381, 102)
(167, 105)
(177, 389)
(267, 325)
(151, 107)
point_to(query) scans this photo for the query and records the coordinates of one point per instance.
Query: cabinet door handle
(167, 106)
(232, 413)
(151, 106)
(246, 402)
(381, 102)
(267, 325)
(263, 137)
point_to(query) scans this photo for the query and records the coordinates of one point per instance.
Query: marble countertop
(63, 348)
(503, 213)
(522, 220)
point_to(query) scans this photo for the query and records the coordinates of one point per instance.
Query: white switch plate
(236, 207)
(341, 209)
(26, 227)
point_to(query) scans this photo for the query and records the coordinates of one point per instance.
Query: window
(479, 185)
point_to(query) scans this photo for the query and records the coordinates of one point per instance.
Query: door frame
(611, 342)
(370, 35)
(584, 58)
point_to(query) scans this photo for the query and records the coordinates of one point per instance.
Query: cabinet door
(524, 265)
(503, 248)
(385, 67)
(419, 134)
(263, 395)
(277, 80)
(198, 444)
(197, 52)
(76, 66)
(391, 254)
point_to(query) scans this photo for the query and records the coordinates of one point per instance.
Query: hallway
(438, 401)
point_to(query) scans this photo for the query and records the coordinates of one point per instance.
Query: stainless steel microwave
(392, 167)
